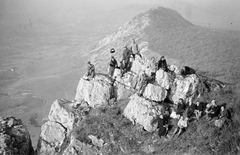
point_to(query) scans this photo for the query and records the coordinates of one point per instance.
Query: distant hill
(163, 31)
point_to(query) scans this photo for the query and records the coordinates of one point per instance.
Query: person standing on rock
(90, 71)
(113, 64)
(142, 83)
(162, 63)
(126, 57)
(134, 49)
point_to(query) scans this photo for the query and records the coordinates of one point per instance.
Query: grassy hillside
(213, 53)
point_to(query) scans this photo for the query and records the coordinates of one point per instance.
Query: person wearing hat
(134, 49)
(162, 63)
(113, 64)
(112, 50)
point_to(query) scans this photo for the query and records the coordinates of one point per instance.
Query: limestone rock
(174, 69)
(14, 137)
(143, 112)
(185, 88)
(76, 146)
(95, 92)
(123, 87)
(60, 112)
(155, 93)
(162, 79)
(51, 138)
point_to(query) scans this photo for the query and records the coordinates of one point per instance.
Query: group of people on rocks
(186, 113)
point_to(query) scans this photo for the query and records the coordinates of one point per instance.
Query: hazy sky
(214, 11)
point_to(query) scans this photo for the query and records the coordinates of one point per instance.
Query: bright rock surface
(95, 92)
(51, 138)
(14, 137)
(162, 79)
(60, 112)
(155, 93)
(185, 88)
(143, 112)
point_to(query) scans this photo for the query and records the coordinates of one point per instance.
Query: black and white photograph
(119, 77)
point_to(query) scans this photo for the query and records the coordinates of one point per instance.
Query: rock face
(143, 112)
(14, 137)
(95, 92)
(155, 93)
(185, 88)
(55, 133)
(62, 114)
(77, 147)
(162, 79)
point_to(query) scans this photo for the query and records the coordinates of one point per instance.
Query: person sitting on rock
(90, 71)
(163, 126)
(180, 107)
(142, 82)
(190, 111)
(181, 126)
(113, 64)
(199, 109)
(162, 63)
(134, 49)
(187, 71)
(126, 57)
(213, 111)
(224, 117)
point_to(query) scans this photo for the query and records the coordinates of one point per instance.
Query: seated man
(225, 117)
(187, 71)
(162, 63)
(213, 110)
(90, 71)
(180, 107)
(163, 126)
(198, 110)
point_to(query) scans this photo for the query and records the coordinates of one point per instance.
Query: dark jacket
(113, 63)
(162, 64)
(180, 109)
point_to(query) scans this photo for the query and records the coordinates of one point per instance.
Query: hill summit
(161, 31)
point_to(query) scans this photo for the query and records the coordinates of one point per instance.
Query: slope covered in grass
(213, 53)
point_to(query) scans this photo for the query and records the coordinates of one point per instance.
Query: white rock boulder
(143, 112)
(155, 93)
(162, 78)
(185, 88)
(51, 138)
(95, 92)
(60, 112)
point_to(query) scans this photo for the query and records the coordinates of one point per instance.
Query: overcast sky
(215, 11)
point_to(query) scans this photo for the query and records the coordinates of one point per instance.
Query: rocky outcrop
(56, 132)
(77, 147)
(162, 78)
(95, 92)
(14, 137)
(63, 114)
(143, 112)
(155, 93)
(185, 88)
